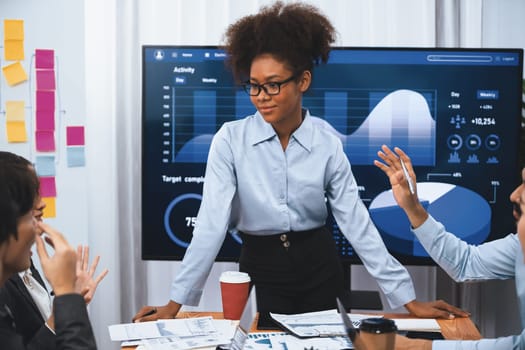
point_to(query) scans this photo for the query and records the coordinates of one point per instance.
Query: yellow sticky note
(13, 29)
(14, 73)
(15, 111)
(16, 132)
(50, 211)
(14, 50)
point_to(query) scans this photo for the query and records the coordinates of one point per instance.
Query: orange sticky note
(15, 111)
(16, 132)
(13, 29)
(14, 73)
(50, 211)
(14, 50)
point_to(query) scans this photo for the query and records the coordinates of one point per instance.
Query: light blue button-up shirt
(253, 185)
(498, 259)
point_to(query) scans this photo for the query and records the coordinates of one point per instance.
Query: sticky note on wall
(15, 111)
(45, 79)
(45, 101)
(13, 29)
(14, 50)
(16, 131)
(45, 140)
(76, 156)
(45, 120)
(51, 209)
(45, 165)
(48, 186)
(14, 73)
(44, 59)
(75, 136)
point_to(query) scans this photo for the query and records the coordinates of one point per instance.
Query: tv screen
(456, 112)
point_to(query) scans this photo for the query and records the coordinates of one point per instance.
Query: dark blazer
(73, 330)
(26, 316)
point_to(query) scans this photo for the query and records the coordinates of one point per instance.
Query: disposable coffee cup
(235, 287)
(378, 333)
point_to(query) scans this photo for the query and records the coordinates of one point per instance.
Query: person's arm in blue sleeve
(515, 342)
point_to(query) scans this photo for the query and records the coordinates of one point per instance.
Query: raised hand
(85, 284)
(392, 166)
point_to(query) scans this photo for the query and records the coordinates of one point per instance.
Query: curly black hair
(297, 34)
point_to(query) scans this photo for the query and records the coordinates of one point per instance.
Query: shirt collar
(25, 273)
(263, 131)
(303, 135)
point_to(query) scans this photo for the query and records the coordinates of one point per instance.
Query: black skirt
(293, 272)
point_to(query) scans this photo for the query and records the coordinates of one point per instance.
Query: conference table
(460, 328)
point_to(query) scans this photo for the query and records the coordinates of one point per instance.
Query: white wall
(44, 24)
(503, 23)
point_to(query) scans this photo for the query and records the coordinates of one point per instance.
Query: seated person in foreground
(25, 293)
(499, 259)
(18, 231)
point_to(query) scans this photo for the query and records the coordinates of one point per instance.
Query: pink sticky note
(45, 120)
(45, 101)
(48, 186)
(75, 136)
(44, 59)
(45, 79)
(45, 141)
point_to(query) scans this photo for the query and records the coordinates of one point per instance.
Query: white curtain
(458, 23)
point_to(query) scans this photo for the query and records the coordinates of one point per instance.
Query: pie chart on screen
(463, 212)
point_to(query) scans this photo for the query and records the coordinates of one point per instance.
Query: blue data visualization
(455, 112)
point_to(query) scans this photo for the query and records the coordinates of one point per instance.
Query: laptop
(248, 316)
(351, 331)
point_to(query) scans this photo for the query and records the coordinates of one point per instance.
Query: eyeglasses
(270, 88)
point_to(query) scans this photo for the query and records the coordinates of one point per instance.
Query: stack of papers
(320, 330)
(317, 324)
(184, 333)
(329, 323)
(285, 341)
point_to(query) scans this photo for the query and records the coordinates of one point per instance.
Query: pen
(407, 177)
(150, 312)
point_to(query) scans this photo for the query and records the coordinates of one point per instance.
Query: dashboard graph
(461, 210)
(458, 120)
(401, 117)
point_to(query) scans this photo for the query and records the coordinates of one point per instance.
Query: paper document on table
(224, 335)
(417, 324)
(176, 343)
(261, 340)
(285, 341)
(317, 324)
(183, 327)
(289, 342)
